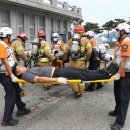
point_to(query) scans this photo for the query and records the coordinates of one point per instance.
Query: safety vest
(119, 56)
(10, 57)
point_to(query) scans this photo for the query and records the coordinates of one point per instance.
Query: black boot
(99, 86)
(13, 122)
(112, 69)
(90, 88)
(113, 113)
(116, 126)
(24, 112)
(77, 95)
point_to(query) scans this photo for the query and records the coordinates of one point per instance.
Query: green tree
(92, 26)
(112, 24)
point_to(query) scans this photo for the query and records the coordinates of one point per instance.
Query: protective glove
(116, 76)
(14, 78)
(62, 80)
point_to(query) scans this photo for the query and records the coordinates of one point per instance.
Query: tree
(108, 25)
(92, 26)
(112, 24)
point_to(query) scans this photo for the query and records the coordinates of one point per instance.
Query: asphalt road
(57, 109)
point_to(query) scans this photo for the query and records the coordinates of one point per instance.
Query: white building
(31, 15)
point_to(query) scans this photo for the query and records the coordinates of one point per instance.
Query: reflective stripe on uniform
(44, 59)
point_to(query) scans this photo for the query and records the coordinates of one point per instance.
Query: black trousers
(94, 66)
(122, 98)
(12, 97)
(76, 73)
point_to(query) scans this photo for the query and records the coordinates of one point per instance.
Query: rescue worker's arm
(7, 66)
(39, 79)
(115, 56)
(62, 46)
(67, 51)
(114, 59)
(19, 49)
(68, 46)
(88, 50)
(125, 54)
(48, 51)
(122, 63)
(4, 59)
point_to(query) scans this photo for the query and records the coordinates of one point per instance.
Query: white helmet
(90, 33)
(55, 35)
(123, 26)
(4, 31)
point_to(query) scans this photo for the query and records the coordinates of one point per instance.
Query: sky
(102, 11)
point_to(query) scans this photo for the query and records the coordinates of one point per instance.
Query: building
(31, 15)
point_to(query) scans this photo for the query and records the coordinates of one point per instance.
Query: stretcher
(75, 81)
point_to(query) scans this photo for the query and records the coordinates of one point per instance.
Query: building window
(4, 18)
(31, 27)
(51, 25)
(48, 2)
(21, 22)
(58, 26)
(42, 23)
(65, 26)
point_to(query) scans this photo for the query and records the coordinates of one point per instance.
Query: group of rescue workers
(81, 51)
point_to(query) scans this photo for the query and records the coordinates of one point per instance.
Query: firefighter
(18, 46)
(94, 62)
(44, 55)
(79, 49)
(122, 83)
(8, 80)
(58, 50)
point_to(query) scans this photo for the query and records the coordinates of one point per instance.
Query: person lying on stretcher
(61, 75)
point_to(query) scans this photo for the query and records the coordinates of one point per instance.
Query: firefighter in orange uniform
(58, 50)
(122, 78)
(79, 49)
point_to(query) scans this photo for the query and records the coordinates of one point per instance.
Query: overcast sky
(101, 11)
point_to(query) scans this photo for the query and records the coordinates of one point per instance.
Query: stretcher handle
(74, 81)
(102, 80)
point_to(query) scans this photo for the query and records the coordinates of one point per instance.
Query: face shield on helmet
(55, 37)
